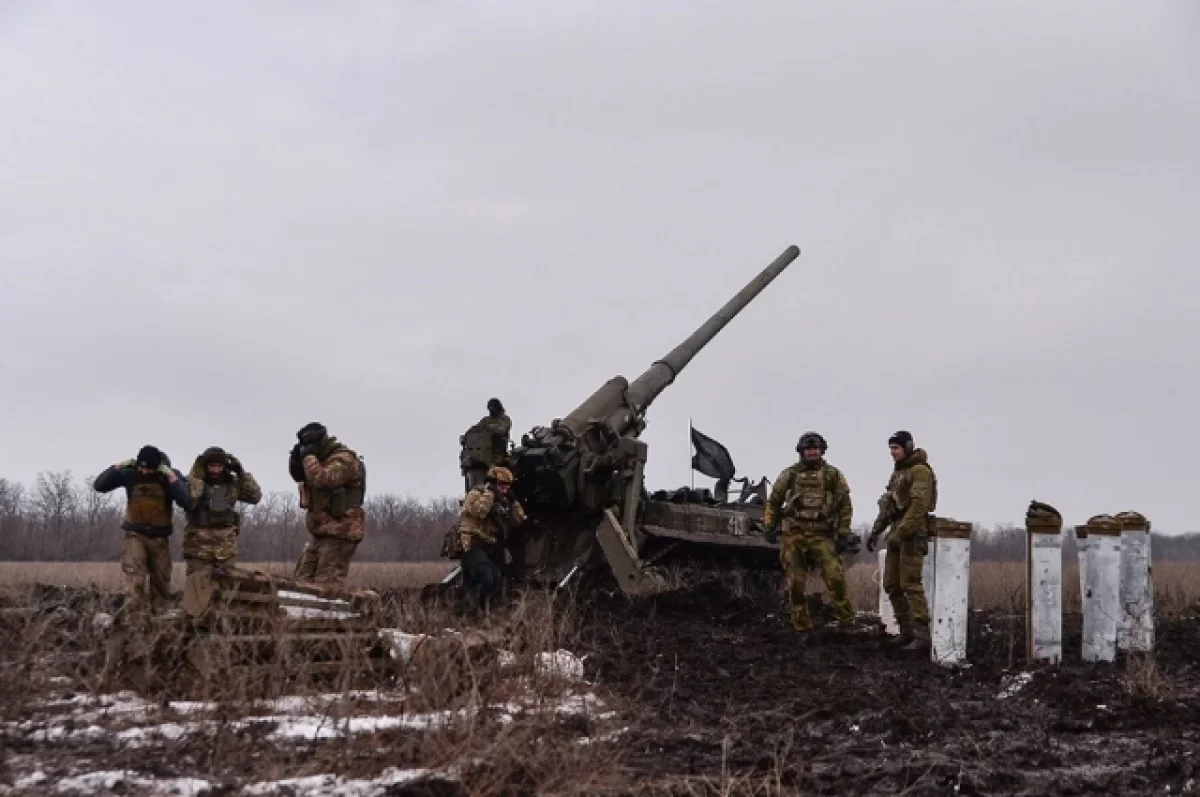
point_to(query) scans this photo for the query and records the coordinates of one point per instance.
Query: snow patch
(327, 614)
(336, 786)
(107, 781)
(561, 663)
(1012, 684)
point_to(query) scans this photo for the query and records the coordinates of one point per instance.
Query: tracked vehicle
(581, 481)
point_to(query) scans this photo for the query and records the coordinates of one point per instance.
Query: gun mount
(581, 481)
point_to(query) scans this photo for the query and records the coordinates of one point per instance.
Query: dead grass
(994, 585)
(501, 732)
(106, 576)
(1000, 586)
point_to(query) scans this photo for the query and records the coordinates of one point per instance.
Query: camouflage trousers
(325, 560)
(902, 580)
(800, 550)
(146, 572)
(202, 548)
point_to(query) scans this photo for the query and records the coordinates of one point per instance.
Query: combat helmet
(312, 433)
(811, 439)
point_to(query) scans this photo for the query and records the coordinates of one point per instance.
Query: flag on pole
(711, 458)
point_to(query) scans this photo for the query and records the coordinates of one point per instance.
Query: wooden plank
(379, 666)
(293, 637)
(258, 597)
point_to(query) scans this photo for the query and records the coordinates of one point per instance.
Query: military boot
(905, 637)
(921, 642)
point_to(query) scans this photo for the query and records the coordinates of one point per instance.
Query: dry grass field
(107, 575)
(995, 586)
(705, 691)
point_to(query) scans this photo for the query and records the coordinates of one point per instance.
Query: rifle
(888, 512)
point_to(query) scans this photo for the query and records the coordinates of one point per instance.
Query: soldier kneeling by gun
(488, 513)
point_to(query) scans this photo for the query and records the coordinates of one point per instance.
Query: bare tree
(57, 506)
(61, 520)
(99, 514)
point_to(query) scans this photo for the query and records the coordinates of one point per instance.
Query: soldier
(907, 506)
(333, 486)
(216, 483)
(152, 490)
(485, 444)
(488, 512)
(812, 499)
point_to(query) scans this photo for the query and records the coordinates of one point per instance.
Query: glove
(303, 451)
(165, 470)
(846, 542)
(235, 466)
(772, 534)
(872, 541)
(294, 466)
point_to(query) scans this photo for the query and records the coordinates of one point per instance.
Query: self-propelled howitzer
(581, 482)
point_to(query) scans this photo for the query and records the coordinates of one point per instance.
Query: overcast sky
(220, 222)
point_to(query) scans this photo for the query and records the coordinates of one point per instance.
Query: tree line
(61, 519)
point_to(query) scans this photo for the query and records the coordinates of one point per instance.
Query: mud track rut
(730, 701)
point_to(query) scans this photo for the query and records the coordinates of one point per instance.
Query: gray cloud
(214, 228)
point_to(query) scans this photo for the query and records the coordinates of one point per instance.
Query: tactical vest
(214, 510)
(810, 499)
(148, 507)
(336, 501)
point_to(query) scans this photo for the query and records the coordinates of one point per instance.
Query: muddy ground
(726, 689)
(704, 692)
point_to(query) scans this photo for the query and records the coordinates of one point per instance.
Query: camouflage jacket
(911, 496)
(480, 519)
(340, 469)
(500, 428)
(817, 496)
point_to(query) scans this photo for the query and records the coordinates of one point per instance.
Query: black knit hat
(903, 439)
(149, 457)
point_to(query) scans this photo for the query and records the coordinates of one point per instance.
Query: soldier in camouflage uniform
(216, 483)
(333, 486)
(907, 507)
(812, 499)
(488, 512)
(152, 489)
(485, 444)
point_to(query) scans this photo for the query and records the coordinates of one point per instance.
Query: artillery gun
(581, 482)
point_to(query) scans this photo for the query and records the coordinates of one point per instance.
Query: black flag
(711, 458)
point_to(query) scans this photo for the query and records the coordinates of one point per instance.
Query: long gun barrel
(621, 403)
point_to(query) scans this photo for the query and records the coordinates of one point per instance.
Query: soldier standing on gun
(152, 489)
(216, 482)
(488, 512)
(333, 487)
(485, 444)
(812, 498)
(907, 506)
